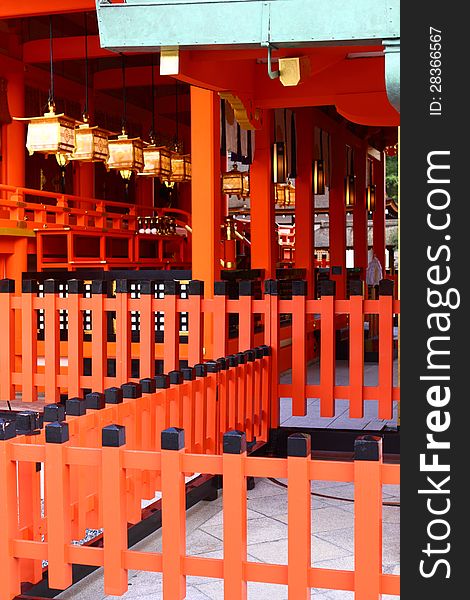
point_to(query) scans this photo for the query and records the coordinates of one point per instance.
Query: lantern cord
(352, 162)
(85, 109)
(176, 113)
(124, 93)
(152, 132)
(321, 144)
(50, 100)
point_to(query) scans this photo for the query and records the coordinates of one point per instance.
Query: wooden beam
(68, 48)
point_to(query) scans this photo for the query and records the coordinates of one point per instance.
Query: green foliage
(391, 178)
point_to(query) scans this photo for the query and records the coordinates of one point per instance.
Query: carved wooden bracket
(246, 114)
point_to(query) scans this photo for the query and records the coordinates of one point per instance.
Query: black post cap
(356, 287)
(176, 377)
(171, 287)
(57, 433)
(147, 287)
(99, 286)
(113, 395)
(368, 447)
(201, 370)
(232, 360)
(259, 352)
(75, 407)
(299, 287)
(212, 366)
(299, 444)
(266, 350)
(162, 382)
(148, 385)
(250, 355)
(196, 288)
(123, 286)
(29, 286)
(131, 390)
(223, 364)
(27, 421)
(327, 287)
(51, 286)
(189, 373)
(54, 412)
(246, 287)
(234, 442)
(173, 438)
(220, 288)
(7, 286)
(95, 400)
(386, 287)
(75, 286)
(113, 436)
(7, 430)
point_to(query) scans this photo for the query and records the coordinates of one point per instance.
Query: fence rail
(114, 459)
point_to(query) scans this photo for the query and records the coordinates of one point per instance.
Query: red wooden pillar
(264, 246)
(304, 217)
(360, 216)
(379, 213)
(338, 212)
(205, 190)
(14, 153)
(84, 179)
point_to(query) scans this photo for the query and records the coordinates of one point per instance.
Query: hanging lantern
(350, 190)
(50, 134)
(232, 182)
(280, 193)
(91, 143)
(370, 198)
(180, 167)
(289, 200)
(318, 177)
(157, 161)
(126, 154)
(350, 181)
(246, 185)
(279, 164)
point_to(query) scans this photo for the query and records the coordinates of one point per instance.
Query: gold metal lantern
(180, 167)
(157, 162)
(126, 154)
(91, 143)
(50, 134)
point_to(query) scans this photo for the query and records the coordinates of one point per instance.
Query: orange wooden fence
(113, 462)
(53, 366)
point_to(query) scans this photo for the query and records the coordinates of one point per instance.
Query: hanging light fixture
(125, 153)
(280, 193)
(318, 179)
(51, 133)
(180, 163)
(236, 183)
(279, 158)
(157, 159)
(91, 142)
(350, 181)
(370, 191)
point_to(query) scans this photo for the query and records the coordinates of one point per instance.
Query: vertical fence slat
(367, 517)
(147, 330)
(51, 341)
(235, 515)
(299, 353)
(274, 341)
(245, 316)
(327, 357)
(113, 498)
(173, 514)
(211, 441)
(299, 516)
(98, 335)
(123, 332)
(195, 322)
(220, 318)
(356, 357)
(269, 395)
(385, 356)
(29, 357)
(10, 586)
(7, 348)
(172, 327)
(57, 496)
(75, 338)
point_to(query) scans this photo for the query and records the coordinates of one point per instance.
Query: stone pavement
(332, 543)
